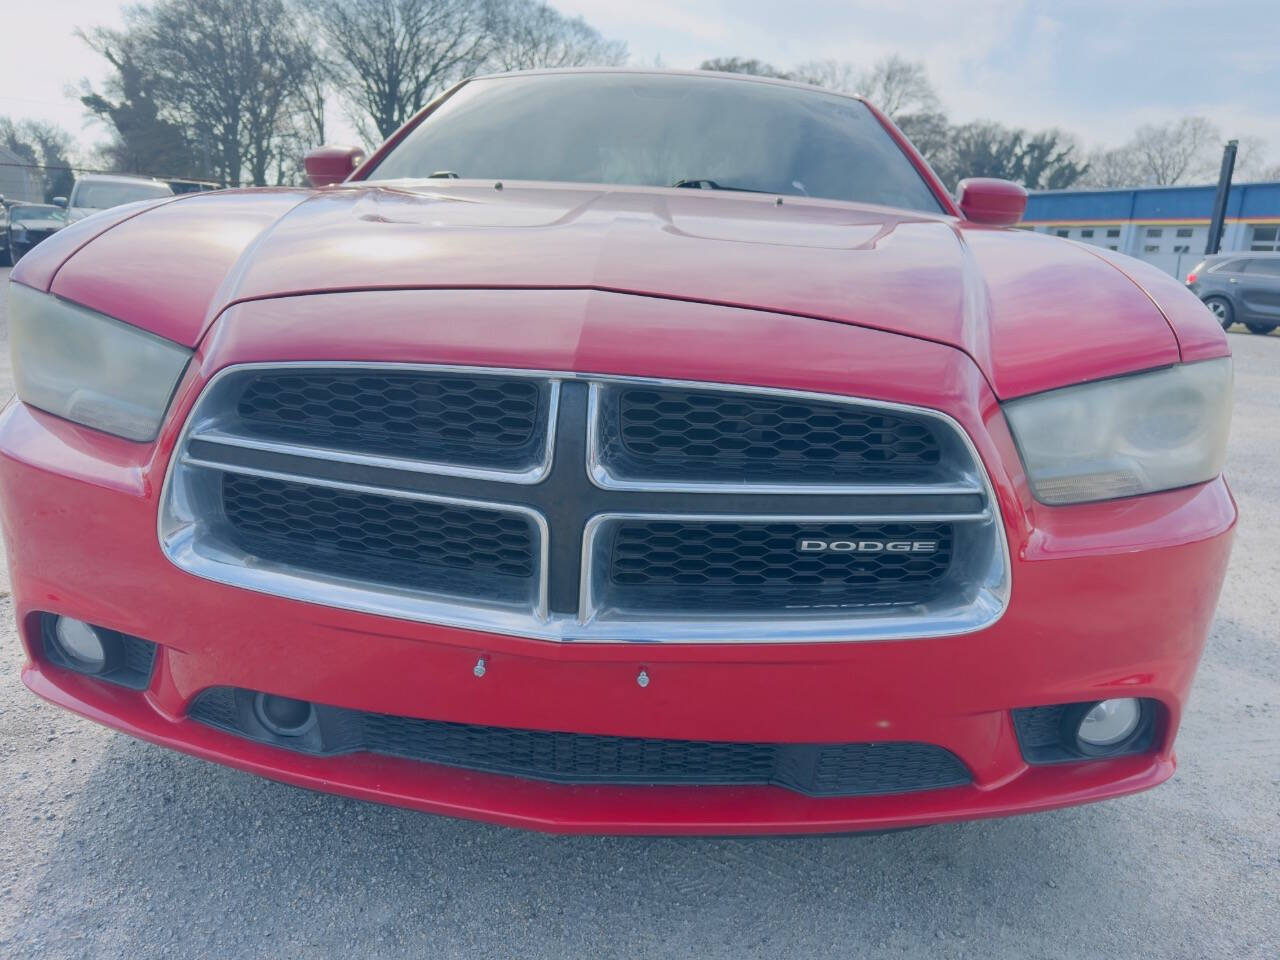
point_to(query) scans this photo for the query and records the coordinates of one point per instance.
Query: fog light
(84, 648)
(1109, 723)
(283, 716)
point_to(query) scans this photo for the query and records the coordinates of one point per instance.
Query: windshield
(662, 131)
(100, 195)
(26, 214)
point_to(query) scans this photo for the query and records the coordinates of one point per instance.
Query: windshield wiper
(705, 184)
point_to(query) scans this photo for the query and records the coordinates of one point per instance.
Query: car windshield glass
(29, 213)
(99, 196)
(652, 130)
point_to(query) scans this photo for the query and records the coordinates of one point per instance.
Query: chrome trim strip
(535, 474)
(985, 610)
(602, 478)
(540, 609)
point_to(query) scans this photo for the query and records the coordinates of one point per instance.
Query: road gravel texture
(114, 848)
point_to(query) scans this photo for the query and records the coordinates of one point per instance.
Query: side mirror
(330, 165)
(60, 202)
(1000, 203)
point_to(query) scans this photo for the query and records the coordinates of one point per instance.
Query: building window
(1113, 233)
(1113, 247)
(1151, 248)
(1181, 248)
(1264, 239)
(1064, 233)
(1155, 232)
(1086, 233)
(1184, 231)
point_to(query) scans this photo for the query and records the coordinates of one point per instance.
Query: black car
(28, 224)
(1240, 288)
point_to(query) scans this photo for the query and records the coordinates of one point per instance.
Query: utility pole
(1220, 200)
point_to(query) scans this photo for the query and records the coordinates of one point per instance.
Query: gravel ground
(114, 848)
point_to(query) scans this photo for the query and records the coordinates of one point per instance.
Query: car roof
(1242, 254)
(654, 72)
(116, 178)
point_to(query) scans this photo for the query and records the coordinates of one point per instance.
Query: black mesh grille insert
(468, 420)
(732, 565)
(463, 551)
(849, 769)
(692, 435)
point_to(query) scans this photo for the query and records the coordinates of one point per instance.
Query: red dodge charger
(621, 452)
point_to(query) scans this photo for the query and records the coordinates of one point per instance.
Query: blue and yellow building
(1166, 226)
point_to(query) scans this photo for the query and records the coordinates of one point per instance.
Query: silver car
(99, 191)
(1240, 288)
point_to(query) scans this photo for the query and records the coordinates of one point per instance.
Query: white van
(98, 191)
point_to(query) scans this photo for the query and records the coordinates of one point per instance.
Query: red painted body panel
(1032, 312)
(665, 811)
(1200, 336)
(1108, 599)
(200, 243)
(38, 271)
(992, 201)
(78, 512)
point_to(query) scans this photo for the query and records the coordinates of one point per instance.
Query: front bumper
(1110, 599)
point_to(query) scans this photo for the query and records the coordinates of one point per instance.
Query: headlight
(89, 368)
(1118, 438)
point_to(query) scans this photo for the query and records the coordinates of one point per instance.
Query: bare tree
(393, 55)
(757, 68)
(1251, 160)
(532, 35)
(1116, 167)
(898, 87)
(45, 147)
(143, 139)
(314, 84)
(838, 75)
(1158, 155)
(1172, 153)
(226, 71)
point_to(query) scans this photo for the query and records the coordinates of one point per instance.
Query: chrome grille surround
(193, 537)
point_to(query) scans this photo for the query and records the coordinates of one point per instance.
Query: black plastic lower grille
(136, 661)
(732, 565)
(849, 769)
(1047, 734)
(464, 551)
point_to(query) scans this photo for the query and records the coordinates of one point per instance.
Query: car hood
(1032, 311)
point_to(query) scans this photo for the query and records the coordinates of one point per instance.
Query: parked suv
(100, 191)
(1240, 288)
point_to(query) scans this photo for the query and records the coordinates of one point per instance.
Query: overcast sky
(1096, 67)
